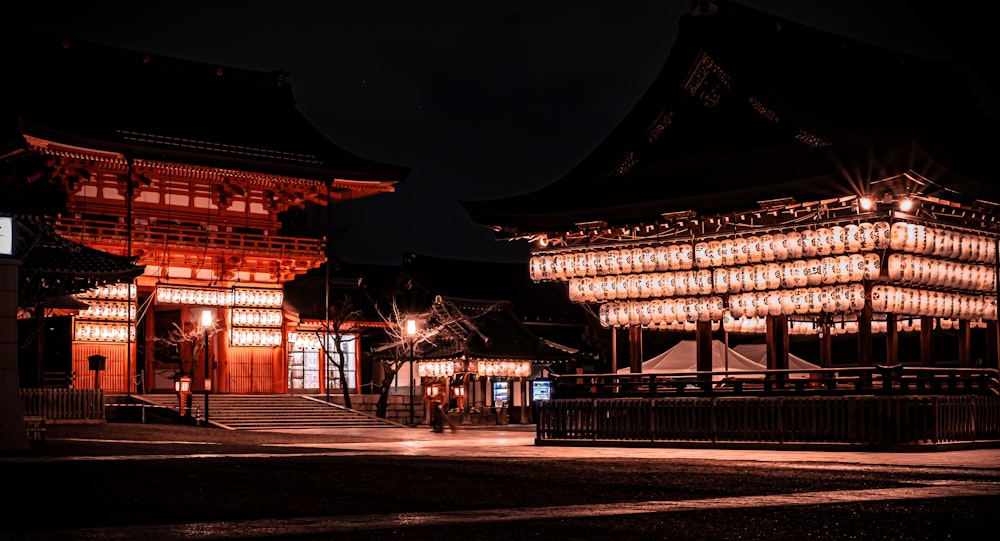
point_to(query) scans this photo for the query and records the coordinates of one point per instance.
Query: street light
(411, 332)
(206, 323)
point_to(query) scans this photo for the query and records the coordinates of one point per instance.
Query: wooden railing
(63, 404)
(864, 406)
(821, 381)
(177, 235)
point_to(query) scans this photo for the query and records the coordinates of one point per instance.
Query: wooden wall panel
(250, 370)
(114, 377)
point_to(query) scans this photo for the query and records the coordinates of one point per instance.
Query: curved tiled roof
(750, 107)
(160, 108)
(52, 265)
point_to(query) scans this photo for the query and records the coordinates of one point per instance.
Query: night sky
(483, 100)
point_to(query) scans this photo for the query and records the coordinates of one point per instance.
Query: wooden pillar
(703, 341)
(992, 344)
(777, 342)
(614, 349)
(964, 344)
(891, 340)
(865, 329)
(635, 349)
(926, 341)
(825, 344)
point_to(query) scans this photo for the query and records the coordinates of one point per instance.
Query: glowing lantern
(741, 253)
(779, 244)
(794, 242)
(838, 240)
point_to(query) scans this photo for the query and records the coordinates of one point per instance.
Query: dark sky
(482, 99)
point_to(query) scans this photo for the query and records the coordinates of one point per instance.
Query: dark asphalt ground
(144, 481)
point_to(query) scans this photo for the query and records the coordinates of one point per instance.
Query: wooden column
(926, 341)
(825, 344)
(992, 343)
(703, 340)
(777, 342)
(891, 340)
(964, 345)
(635, 349)
(865, 329)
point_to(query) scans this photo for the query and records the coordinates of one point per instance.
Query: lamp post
(411, 333)
(206, 322)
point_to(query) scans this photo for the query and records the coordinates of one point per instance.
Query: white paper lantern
(535, 268)
(767, 247)
(810, 243)
(703, 282)
(624, 260)
(900, 236)
(726, 252)
(759, 277)
(793, 240)
(685, 254)
(838, 240)
(753, 249)
(814, 272)
(669, 281)
(883, 233)
(682, 281)
(772, 277)
(715, 253)
(701, 254)
(800, 277)
(735, 279)
(780, 245)
(823, 241)
(720, 281)
(559, 267)
(873, 263)
(852, 238)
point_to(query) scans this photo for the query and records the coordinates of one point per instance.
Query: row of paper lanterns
(760, 277)
(920, 302)
(829, 299)
(88, 331)
(108, 310)
(256, 317)
(940, 273)
(819, 242)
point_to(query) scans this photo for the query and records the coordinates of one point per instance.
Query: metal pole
(208, 380)
(412, 342)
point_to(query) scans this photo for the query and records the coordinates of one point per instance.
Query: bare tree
(446, 331)
(343, 317)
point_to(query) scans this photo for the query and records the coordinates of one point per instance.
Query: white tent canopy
(758, 353)
(684, 358)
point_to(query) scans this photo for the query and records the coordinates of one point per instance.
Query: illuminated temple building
(200, 173)
(778, 181)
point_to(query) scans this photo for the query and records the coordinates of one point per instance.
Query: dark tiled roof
(774, 109)
(52, 265)
(156, 107)
(483, 329)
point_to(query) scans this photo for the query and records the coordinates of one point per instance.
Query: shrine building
(777, 182)
(199, 173)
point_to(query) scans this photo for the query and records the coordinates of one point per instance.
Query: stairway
(262, 412)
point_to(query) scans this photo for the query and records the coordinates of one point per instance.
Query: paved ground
(132, 481)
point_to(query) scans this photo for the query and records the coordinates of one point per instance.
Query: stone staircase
(262, 412)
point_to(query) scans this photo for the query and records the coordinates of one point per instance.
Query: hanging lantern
(852, 238)
(558, 267)
(900, 236)
(624, 259)
(767, 247)
(823, 240)
(701, 254)
(794, 242)
(741, 253)
(779, 243)
(838, 240)
(535, 268)
(703, 282)
(714, 253)
(669, 283)
(649, 259)
(726, 253)
(753, 249)
(872, 263)
(685, 254)
(720, 281)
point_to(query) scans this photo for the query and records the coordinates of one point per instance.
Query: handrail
(181, 235)
(895, 379)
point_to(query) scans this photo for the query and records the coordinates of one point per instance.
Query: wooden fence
(56, 405)
(925, 407)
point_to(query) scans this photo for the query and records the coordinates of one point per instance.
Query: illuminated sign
(6, 235)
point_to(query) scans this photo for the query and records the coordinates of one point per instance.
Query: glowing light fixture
(906, 205)
(866, 203)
